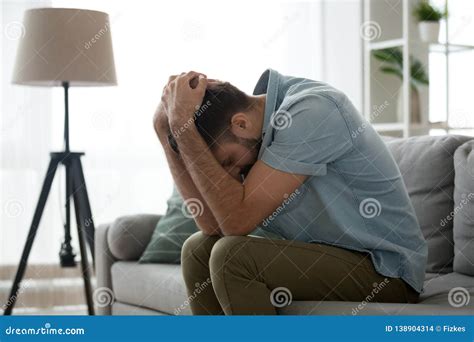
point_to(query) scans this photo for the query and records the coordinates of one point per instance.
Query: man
(286, 158)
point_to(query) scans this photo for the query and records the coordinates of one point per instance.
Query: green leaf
(392, 59)
(425, 12)
(391, 55)
(392, 71)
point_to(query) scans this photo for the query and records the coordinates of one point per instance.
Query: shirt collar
(268, 84)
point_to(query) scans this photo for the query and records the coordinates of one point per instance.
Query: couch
(439, 176)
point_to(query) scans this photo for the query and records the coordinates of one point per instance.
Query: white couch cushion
(154, 286)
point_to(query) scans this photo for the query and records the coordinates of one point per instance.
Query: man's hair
(213, 118)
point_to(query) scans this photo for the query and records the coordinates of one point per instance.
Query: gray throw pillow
(170, 233)
(463, 213)
(427, 167)
(173, 229)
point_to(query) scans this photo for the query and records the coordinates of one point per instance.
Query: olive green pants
(245, 275)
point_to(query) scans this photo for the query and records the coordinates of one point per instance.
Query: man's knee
(197, 245)
(228, 250)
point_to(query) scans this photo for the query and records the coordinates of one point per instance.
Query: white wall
(342, 54)
(125, 170)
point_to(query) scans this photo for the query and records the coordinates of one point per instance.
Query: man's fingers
(172, 78)
(202, 84)
(191, 74)
(192, 78)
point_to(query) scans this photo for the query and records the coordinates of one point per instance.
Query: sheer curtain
(125, 170)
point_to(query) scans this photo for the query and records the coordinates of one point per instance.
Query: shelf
(385, 44)
(433, 47)
(388, 127)
(441, 48)
(430, 125)
(407, 43)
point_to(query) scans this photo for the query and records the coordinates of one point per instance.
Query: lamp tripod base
(75, 190)
(66, 255)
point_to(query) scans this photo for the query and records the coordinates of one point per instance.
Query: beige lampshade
(65, 44)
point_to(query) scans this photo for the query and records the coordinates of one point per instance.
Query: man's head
(230, 122)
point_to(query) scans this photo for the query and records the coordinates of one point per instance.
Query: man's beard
(252, 144)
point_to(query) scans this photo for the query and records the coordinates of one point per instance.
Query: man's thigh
(309, 271)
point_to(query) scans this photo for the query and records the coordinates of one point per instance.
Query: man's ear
(241, 125)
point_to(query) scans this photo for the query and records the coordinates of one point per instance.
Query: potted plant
(392, 59)
(428, 21)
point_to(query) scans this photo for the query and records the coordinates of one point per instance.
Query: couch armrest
(124, 239)
(128, 236)
(103, 262)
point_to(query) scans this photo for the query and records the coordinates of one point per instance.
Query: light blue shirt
(354, 197)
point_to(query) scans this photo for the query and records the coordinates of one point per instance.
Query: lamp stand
(75, 190)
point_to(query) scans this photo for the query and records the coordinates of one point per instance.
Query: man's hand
(160, 120)
(182, 97)
(206, 221)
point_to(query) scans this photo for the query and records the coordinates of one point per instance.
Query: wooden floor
(45, 290)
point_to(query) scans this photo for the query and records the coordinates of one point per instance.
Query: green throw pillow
(173, 229)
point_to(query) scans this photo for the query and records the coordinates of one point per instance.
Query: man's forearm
(221, 192)
(184, 183)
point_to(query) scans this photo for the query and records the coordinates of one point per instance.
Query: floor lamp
(65, 48)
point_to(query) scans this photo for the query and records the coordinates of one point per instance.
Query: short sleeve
(309, 132)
